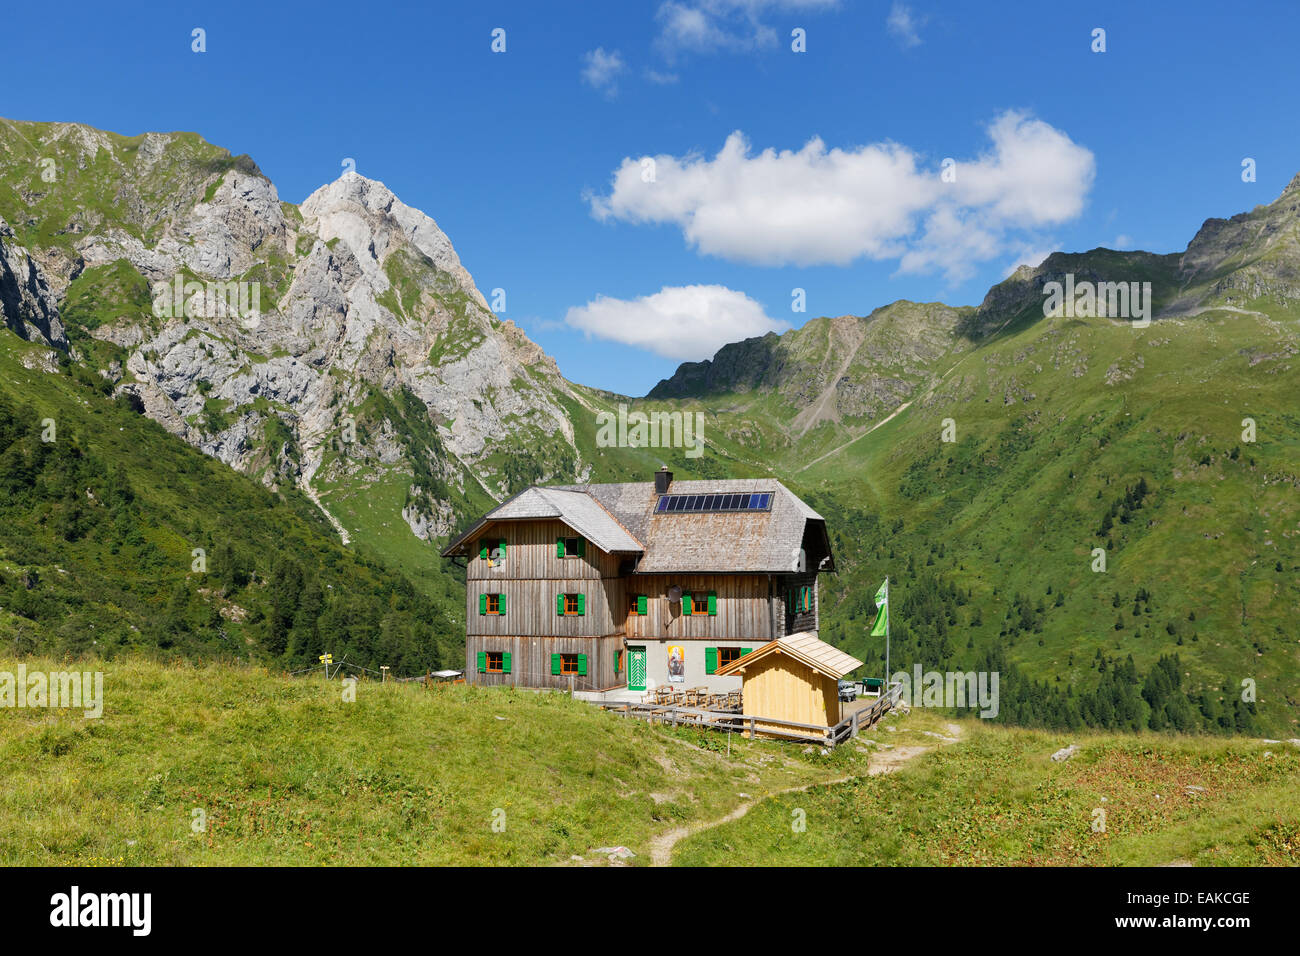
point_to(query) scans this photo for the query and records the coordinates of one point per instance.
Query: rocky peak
(369, 219)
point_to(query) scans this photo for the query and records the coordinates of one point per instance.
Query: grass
(997, 798)
(286, 772)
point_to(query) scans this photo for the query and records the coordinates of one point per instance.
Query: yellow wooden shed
(793, 678)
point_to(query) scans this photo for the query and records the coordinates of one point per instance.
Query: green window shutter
(710, 660)
(618, 661)
(559, 607)
(582, 604)
(559, 547)
(686, 604)
(745, 650)
(582, 665)
(505, 663)
(555, 664)
(582, 547)
(482, 550)
(482, 603)
(482, 661)
(502, 544)
(713, 603)
(501, 603)
(641, 604)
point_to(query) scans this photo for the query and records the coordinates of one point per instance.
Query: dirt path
(882, 761)
(835, 451)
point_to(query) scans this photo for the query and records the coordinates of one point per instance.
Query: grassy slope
(997, 798)
(289, 773)
(1018, 500)
(115, 583)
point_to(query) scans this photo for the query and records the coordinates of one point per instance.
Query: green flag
(881, 627)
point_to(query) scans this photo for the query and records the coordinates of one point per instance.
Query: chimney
(663, 478)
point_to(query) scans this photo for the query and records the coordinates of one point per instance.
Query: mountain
(338, 352)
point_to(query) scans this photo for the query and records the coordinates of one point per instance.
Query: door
(636, 668)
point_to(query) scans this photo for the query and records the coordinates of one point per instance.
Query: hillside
(287, 773)
(116, 536)
(276, 770)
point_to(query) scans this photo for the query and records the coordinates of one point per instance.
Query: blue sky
(515, 153)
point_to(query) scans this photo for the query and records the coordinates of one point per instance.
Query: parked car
(848, 690)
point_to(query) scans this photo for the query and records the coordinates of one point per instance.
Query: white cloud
(819, 206)
(1123, 241)
(602, 69)
(706, 26)
(903, 25)
(686, 323)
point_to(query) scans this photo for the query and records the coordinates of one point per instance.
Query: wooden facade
(519, 563)
(538, 587)
(783, 687)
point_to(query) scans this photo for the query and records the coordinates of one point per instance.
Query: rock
(615, 852)
(1065, 753)
(27, 304)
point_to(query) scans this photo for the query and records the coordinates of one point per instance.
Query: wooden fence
(748, 724)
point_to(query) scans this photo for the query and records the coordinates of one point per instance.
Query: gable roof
(803, 646)
(620, 518)
(579, 511)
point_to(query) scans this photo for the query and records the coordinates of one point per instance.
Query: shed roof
(803, 646)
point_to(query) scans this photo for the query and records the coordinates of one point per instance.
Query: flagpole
(886, 635)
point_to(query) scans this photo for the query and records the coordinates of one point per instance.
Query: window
(570, 547)
(700, 603)
(567, 605)
(618, 662)
(492, 604)
(640, 605)
(493, 551)
(566, 664)
(494, 662)
(716, 658)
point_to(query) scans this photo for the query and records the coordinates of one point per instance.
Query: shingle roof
(736, 541)
(802, 646)
(621, 518)
(579, 511)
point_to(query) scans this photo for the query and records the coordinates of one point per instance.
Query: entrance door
(636, 668)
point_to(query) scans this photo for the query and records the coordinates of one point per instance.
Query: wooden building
(637, 584)
(794, 678)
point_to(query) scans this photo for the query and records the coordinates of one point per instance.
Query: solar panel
(682, 504)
